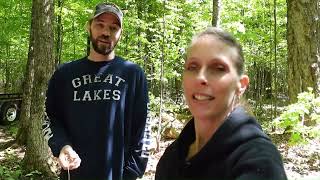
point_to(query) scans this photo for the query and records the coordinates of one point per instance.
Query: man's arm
(53, 126)
(138, 150)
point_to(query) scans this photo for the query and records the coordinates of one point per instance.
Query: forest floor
(302, 162)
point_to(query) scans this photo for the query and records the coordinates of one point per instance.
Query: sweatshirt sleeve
(140, 132)
(260, 160)
(53, 126)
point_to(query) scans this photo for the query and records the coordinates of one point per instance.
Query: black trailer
(9, 107)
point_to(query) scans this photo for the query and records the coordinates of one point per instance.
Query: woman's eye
(191, 67)
(220, 68)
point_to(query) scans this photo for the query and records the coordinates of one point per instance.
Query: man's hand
(68, 158)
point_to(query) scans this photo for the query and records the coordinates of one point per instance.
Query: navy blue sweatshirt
(239, 150)
(100, 109)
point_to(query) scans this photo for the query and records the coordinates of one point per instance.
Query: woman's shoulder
(171, 150)
(258, 157)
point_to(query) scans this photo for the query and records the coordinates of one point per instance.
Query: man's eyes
(99, 25)
(112, 28)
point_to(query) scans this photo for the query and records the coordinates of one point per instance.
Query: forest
(280, 40)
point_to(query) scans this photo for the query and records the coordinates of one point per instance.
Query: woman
(221, 142)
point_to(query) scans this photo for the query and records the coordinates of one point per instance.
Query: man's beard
(103, 49)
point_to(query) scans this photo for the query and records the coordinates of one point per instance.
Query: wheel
(9, 113)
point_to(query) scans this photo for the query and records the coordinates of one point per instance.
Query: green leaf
(1, 171)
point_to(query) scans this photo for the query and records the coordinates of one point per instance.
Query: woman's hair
(227, 38)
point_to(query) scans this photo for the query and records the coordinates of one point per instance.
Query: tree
(40, 66)
(215, 12)
(59, 33)
(303, 46)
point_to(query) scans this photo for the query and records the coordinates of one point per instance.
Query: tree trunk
(315, 46)
(303, 46)
(59, 34)
(7, 70)
(22, 134)
(215, 12)
(40, 66)
(267, 83)
(275, 52)
(7, 77)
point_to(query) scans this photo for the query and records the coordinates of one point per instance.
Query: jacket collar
(236, 129)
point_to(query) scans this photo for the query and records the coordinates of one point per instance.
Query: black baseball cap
(108, 8)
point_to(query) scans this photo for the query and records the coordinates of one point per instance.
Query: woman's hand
(68, 158)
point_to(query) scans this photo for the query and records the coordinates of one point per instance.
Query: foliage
(14, 39)
(302, 118)
(155, 33)
(10, 170)
(13, 129)
(253, 24)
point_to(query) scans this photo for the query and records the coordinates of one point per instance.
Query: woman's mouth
(202, 97)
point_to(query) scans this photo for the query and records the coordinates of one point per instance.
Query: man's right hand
(68, 158)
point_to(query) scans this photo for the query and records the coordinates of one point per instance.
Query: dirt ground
(302, 162)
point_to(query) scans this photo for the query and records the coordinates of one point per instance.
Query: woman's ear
(243, 84)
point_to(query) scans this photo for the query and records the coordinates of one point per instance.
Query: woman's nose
(202, 78)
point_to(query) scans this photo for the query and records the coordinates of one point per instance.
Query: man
(96, 106)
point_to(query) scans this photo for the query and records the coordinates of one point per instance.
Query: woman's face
(210, 78)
